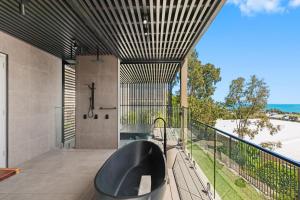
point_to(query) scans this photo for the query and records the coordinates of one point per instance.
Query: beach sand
(289, 136)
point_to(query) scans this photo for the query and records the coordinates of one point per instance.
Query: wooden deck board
(189, 185)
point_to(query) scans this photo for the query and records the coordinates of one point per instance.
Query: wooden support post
(184, 100)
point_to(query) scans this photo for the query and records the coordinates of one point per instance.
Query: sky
(256, 37)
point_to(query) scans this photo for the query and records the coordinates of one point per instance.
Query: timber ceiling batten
(170, 29)
(148, 73)
(49, 25)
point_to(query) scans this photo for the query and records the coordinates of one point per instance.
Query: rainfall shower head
(71, 61)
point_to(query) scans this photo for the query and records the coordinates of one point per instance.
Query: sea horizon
(285, 107)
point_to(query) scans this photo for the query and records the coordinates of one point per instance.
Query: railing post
(215, 151)
(298, 197)
(165, 139)
(191, 139)
(230, 140)
(170, 109)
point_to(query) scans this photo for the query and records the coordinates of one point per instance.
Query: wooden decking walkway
(189, 185)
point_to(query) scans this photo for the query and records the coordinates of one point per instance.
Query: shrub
(240, 182)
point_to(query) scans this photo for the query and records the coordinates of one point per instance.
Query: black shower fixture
(90, 113)
(74, 46)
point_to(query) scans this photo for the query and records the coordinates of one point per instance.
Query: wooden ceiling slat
(66, 22)
(102, 30)
(162, 28)
(19, 27)
(167, 38)
(148, 72)
(212, 11)
(152, 28)
(108, 18)
(184, 25)
(182, 14)
(77, 23)
(157, 29)
(133, 16)
(82, 11)
(173, 28)
(114, 26)
(127, 15)
(195, 14)
(123, 21)
(140, 20)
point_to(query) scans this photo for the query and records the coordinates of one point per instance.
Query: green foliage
(204, 110)
(246, 101)
(271, 145)
(175, 100)
(202, 79)
(240, 183)
(264, 169)
(271, 171)
(225, 179)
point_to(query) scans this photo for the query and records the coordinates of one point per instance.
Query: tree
(202, 79)
(204, 110)
(271, 145)
(247, 102)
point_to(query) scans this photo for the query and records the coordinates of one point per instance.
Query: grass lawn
(225, 179)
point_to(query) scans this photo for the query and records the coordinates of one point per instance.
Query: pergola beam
(150, 61)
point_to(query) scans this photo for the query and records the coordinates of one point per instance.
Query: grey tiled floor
(59, 174)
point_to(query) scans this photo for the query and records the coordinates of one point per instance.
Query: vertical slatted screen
(141, 103)
(69, 85)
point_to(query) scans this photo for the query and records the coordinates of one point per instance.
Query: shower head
(71, 61)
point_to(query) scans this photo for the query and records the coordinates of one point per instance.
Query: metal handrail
(296, 163)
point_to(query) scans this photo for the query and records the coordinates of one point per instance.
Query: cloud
(294, 3)
(250, 7)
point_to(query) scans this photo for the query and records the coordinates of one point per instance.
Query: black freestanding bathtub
(120, 176)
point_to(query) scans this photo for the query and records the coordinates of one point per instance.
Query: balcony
(80, 79)
(204, 163)
(213, 164)
(239, 169)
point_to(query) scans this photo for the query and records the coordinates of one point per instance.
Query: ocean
(285, 107)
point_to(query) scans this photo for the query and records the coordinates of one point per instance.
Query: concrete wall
(34, 89)
(101, 132)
